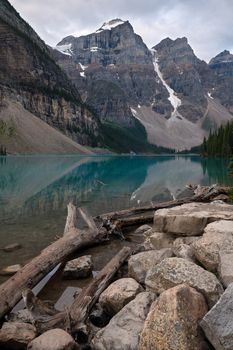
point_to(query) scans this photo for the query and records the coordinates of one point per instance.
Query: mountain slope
(22, 132)
(29, 75)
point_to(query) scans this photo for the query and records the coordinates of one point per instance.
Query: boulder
(174, 271)
(78, 268)
(184, 251)
(55, 339)
(225, 267)
(185, 240)
(118, 294)
(142, 229)
(160, 240)
(217, 323)
(139, 264)
(123, 331)
(172, 322)
(217, 236)
(16, 335)
(12, 247)
(190, 219)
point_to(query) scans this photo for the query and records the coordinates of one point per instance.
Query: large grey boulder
(190, 219)
(174, 271)
(123, 331)
(218, 322)
(173, 321)
(55, 339)
(118, 294)
(78, 268)
(160, 240)
(16, 335)
(225, 267)
(217, 236)
(139, 264)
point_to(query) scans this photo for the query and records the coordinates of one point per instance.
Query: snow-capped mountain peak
(111, 24)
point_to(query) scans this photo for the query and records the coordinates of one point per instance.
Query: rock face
(16, 335)
(222, 69)
(30, 77)
(217, 323)
(190, 219)
(179, 67)
(118, 294)
(172, 322)
(174, 271)
(217, 236)
(140, 263)
(78, 268)
(123, 331)
(55, 339)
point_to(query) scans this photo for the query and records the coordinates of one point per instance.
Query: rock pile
(173, 297)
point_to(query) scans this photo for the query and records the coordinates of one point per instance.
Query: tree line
(219, 143)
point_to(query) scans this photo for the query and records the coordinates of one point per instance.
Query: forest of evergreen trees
(219, 143)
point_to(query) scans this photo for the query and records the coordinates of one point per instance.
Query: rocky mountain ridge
(167, 89)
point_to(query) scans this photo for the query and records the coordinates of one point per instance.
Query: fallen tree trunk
(72, 240)
(74, 320)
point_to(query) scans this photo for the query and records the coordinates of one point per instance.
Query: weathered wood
(74, 319)
(72, 240)
(84, 301)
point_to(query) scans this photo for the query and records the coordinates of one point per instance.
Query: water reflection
(34, 191)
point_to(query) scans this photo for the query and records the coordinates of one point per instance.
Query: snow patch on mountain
(111, 24)
(175, 101)
(65, 49)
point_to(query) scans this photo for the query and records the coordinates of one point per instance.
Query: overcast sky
(206, 23)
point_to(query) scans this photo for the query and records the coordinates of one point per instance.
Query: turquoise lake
(35, 190)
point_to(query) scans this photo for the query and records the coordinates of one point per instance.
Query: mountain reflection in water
(35, 190)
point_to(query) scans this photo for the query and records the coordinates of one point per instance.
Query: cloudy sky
(206, 23)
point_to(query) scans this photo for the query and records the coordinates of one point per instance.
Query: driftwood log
(116, 221)
(72, 240)
(74, 320)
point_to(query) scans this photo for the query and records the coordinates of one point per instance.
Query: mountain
(30, 80)
(165, 89)
(222, 69)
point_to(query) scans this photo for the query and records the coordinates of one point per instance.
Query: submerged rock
(12, 247)
(172, 322)
(78, 268)
(55, 339)
(118, 294)
(140, 263)
(10, 270)
(123, 331)
(217, 236)
(190, 219)
(16, 335)
(218, 322)
(174, 271)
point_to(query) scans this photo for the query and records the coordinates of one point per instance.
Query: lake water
(35, 190)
